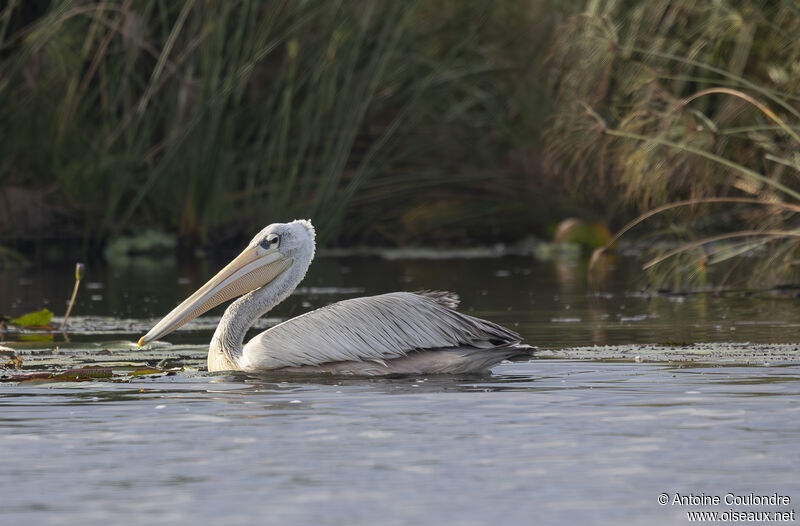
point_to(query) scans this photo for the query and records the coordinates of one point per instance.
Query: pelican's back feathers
(375, 329)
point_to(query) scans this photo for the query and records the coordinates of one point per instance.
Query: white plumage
(396, 333)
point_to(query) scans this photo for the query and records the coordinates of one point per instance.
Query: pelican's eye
(271, 241)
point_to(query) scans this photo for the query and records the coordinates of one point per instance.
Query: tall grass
(214, 118)
(694, 104)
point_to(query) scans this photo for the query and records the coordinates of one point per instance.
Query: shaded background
(387, 123)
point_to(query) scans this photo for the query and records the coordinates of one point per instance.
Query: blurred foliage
(34, 319)
(696, 102)
(586, 235)
(145, 242)
(382, 121)
(11, 258)
(406, 123)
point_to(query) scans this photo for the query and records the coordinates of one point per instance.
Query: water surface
(549, 441)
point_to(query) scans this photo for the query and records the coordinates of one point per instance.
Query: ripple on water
(560, 440)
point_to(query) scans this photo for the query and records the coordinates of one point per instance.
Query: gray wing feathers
(375, 328)
(442, 297)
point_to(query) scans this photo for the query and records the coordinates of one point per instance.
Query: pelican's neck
(225, 351)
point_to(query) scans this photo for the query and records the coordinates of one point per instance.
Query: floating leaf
(146, 370)
(32, 319)
(85, 373)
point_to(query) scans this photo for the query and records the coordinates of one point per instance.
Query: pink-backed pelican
(389, 334)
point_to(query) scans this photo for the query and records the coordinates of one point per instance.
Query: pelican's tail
(477, 361)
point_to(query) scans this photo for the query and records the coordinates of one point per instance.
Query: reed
(688, 111)
(211, 118)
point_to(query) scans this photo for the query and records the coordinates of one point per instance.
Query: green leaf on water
(39, 317)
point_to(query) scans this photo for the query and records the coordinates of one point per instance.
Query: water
(550, 441)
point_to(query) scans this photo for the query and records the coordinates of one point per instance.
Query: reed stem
(79, 270)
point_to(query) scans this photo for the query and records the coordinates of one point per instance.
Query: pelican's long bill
(253, 268)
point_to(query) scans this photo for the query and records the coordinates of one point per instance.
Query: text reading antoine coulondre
(729, 499)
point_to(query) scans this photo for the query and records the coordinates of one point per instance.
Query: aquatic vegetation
(688, 110)
(585, 235)
(87, 374)
(39, 321)
(143, 242)
(109, 361)
(80, 270)
(204, 118)
(40, 318)
(398, 123)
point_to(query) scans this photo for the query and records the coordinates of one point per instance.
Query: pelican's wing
(375, 328)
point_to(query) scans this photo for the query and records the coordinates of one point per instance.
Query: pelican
(398, 333)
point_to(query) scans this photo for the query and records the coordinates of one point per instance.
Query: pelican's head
(273, 251)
